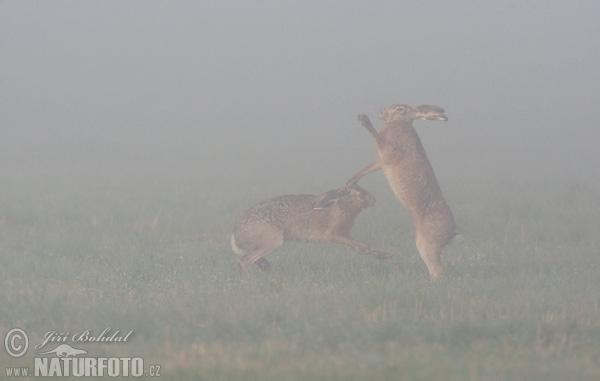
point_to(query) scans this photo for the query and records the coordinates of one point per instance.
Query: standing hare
(264, 227)
(404, 162)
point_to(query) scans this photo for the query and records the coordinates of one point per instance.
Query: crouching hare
(263, 228)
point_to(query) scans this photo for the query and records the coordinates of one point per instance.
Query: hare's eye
(399, 109)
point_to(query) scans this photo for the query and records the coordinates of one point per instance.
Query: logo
(16, 342)
(71, 360)
(65, 350)
(86, 336)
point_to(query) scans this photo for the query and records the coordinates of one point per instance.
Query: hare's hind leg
(269, 241)
(431, 255)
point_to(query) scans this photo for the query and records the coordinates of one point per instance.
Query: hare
(263, 228)
(404, 162)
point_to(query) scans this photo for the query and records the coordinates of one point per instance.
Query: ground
(522, 300)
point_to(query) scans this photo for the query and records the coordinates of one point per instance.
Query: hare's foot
(376, 253)
(262, 263)
(381, 254)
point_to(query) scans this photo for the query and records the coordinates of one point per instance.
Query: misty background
(134, 133)
(229, 103)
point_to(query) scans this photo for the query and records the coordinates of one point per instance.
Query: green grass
(522, 300)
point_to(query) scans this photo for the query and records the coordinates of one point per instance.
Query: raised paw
(365, 121)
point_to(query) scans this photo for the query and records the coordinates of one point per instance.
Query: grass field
(149, 252)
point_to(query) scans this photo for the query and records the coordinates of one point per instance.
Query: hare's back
(278, 210)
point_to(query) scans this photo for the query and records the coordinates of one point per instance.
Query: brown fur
(265, 226)
(403, 160)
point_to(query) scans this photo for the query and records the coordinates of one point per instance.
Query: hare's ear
(431, 108)
(326, 200)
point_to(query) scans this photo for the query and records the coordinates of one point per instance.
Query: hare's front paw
(364, 120)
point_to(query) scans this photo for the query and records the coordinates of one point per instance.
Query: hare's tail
(235, 247)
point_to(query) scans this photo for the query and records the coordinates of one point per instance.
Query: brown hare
(264, 227)
(404, 162)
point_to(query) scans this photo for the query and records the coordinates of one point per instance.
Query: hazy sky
(239, 85)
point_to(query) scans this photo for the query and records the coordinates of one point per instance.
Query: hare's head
(360, 196)
(401, 113)
(355, 197)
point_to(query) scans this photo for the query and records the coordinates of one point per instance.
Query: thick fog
(262, 97)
